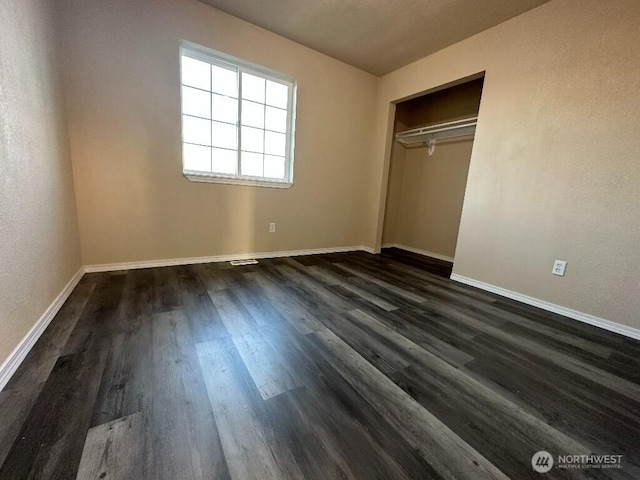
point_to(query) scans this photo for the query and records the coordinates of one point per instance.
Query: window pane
(225, 109)
(275, 143)
(225, 81)
(277, 94)
(252, 114)
(196, 130)
(274, 167)
(224, 161)
(251, 164)
(253, 87)
(276, 119)
(196, 73)
(196, 102)
(236, 120)
(224, 135)
(197, 158)
(252, 139)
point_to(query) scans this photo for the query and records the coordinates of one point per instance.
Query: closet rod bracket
(431, 146)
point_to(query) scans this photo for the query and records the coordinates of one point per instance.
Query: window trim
(214, 57)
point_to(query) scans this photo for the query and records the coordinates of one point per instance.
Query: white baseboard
(418, 251)
(110, 267)
(551, 307)
(11, 364)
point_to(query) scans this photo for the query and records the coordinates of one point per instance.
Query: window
(237, 120)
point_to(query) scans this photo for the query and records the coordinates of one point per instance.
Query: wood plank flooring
(338, 366)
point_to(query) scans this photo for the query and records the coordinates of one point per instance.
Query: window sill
(248, 182)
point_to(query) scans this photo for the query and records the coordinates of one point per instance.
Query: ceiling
(376, 36)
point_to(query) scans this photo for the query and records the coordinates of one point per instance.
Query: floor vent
(239, 263)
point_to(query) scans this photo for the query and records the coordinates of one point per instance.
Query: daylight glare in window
(237, 120)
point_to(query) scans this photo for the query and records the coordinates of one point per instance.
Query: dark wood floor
(333, 366)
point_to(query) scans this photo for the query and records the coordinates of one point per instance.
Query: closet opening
(433, 138)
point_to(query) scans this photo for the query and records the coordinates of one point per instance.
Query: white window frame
(215, 57)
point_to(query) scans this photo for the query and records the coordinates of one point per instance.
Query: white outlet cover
(559, 266)
(272, 228)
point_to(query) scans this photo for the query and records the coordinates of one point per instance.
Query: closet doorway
(433, 138)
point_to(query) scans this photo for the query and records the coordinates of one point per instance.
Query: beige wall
(431, 191)
(39, 243)
(123, 101)
(394, 191)
(554, 171)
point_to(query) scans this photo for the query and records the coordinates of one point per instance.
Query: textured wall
(123, 95)
(39, 243)
(431, 194)
(554, 171)
(394, 190)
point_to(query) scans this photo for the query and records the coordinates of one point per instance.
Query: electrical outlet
(272, 228)
(559, 267)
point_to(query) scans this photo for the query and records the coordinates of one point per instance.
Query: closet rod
(429, 134)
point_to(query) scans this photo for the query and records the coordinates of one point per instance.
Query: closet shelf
(430, 134)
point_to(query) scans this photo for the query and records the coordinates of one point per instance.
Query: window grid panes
(235, 121)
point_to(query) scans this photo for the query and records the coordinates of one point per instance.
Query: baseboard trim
(419, 251)
(172, 262)
(11, 364)
(551, 307)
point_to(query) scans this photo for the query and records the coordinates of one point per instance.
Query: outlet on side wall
(559, 266)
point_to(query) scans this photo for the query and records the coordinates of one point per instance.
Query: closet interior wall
(425, 193)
